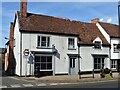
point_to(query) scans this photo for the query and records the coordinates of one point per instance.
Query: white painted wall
(87, 61)
(114, 55)
(17, 47)
(29, 41)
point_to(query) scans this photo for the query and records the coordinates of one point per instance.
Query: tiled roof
(50, 24)
(111, 29)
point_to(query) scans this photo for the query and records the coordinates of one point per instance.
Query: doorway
(73, 65)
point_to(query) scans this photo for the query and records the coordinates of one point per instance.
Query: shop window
(43, 62)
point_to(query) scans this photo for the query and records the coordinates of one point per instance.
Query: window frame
(41, 43)
(71, 44)
(115, 49)
(40, 63)
(114, 64)
(100, 62)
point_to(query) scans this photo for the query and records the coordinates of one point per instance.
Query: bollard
(79, 74)
(93, 73)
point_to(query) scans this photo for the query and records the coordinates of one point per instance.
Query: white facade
(114, 55)
(65, 61)
(17, 52)
(87, 54)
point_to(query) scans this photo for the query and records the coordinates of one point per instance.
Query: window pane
(37, 59)
(70, 42)
(74, 62)
(102, 60)
(43, 41)
(97, 44)
(49, 65)
(43, 65)
(95, 60)
(95, 66)
(48, 41)
(99, 60)
(38, 42)
(49, 58)
(70, 62)
(43, 58)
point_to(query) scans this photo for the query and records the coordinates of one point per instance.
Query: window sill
(116, 52)
(43, 48)
(98, 48)
(71, 48)
(46, 70)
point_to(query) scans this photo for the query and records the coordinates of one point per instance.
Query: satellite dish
(109, 20)
(101, 19)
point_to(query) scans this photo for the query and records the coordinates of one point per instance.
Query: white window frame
(99, 65)
(114, 64)
(71, 44)
(40, 42)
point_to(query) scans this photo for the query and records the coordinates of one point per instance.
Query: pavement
(57, 80)
(71, 78)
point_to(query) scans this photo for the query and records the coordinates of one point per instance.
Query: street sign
(26, 52)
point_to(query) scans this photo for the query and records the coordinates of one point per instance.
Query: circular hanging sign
(26, 52)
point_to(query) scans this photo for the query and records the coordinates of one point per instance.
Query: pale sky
(80, 11)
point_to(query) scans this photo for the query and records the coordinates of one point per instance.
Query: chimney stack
(11, 35)
(96, 20)
(23, 8)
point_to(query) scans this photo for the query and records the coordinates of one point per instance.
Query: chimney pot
(95, 20)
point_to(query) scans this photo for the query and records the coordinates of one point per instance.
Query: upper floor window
(43, 41)
(71, 43)
(116, 48)
(98, 44)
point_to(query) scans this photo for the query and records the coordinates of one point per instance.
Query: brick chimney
(11, 35)
(95, 20)
(23, 8)
(11, 59)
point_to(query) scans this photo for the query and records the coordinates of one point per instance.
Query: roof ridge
(108, 23)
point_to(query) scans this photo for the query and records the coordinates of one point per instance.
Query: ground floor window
(98, 63)
(114, 64)
(43, 62)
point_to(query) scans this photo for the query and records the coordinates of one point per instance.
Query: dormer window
(98, 44)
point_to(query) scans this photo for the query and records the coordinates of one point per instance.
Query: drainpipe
(20, 53)
(79, 61)
(110, 53)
